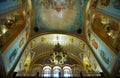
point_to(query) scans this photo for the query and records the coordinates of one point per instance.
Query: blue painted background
(101, 45)
(71, 28)
(11, 48)
(4, 4)
(108, 52)
(110, 8)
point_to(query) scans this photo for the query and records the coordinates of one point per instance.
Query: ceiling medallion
(58, 56)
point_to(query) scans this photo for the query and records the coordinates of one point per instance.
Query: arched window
(57, 71)
(67, 71)
(47, 71)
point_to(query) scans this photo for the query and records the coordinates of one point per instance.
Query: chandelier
(3, 30)
(58, 56)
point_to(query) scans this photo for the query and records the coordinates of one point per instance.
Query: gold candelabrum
(58, 56)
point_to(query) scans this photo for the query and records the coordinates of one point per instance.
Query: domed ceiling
(63, 15)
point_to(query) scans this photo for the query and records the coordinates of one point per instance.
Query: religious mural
(64, 15)
(103, 53)
(109, 27)
(12, 53)
(82, 52)
(24, 62)
(89, 61)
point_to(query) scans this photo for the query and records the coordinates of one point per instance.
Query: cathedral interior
(60, 38)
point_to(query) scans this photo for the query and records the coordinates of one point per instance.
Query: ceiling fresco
(63, 15)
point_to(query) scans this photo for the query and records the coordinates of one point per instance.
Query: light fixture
(58, 56)
(3, 30)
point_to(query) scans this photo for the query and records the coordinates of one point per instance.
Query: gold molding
(48, 53)
(57, 32)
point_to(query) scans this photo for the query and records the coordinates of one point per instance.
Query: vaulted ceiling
(40, 50)
(65, 15)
